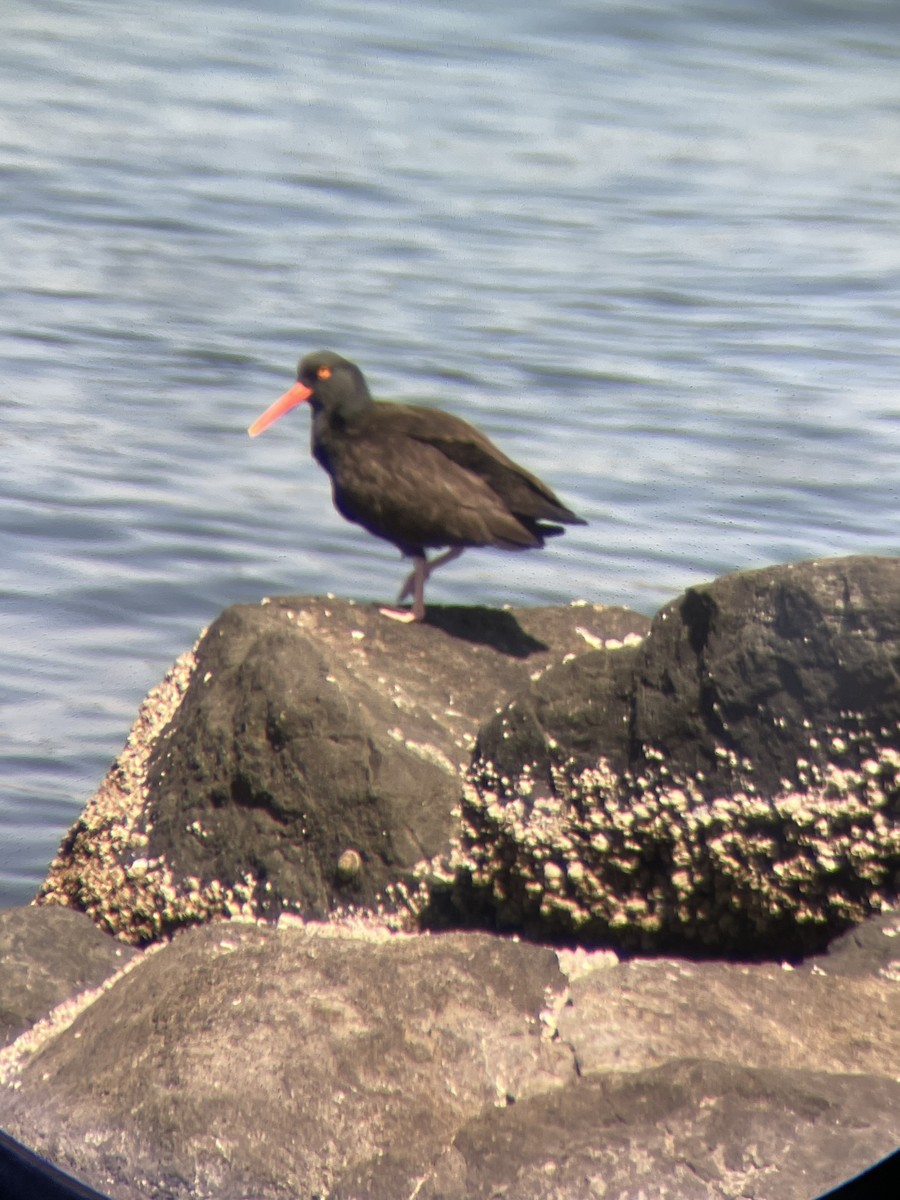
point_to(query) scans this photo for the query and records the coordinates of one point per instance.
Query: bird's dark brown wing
(411, 493)
(521, 492)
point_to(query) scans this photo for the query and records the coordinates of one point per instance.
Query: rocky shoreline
(557, 902)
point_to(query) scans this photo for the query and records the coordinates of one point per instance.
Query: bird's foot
(405, 615)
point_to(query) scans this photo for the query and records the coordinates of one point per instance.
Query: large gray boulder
(727, 783)
(691, 1130)
(723, 782)
(307, 755)
(45, 958)
(283, 1061)
(731, 783)
(244, 1060)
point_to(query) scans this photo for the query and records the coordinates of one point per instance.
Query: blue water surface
(650, 248)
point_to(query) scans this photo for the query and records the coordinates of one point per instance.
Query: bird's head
(330, 383)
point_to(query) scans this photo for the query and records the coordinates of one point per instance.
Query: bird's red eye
(323, 372)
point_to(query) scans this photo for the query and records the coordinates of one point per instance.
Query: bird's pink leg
(409, 584)
(414, 586)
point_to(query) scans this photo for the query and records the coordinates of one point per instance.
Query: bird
(418, 477)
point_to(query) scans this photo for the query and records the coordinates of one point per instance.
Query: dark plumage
(417, 477)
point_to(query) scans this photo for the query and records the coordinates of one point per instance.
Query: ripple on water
(653, 254)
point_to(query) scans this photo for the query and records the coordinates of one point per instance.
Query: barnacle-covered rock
(731, 783)
(306, 756)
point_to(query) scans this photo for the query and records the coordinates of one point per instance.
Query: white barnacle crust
(105, 870)
(659, 854)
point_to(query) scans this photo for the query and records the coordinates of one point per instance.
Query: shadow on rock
(486, 627)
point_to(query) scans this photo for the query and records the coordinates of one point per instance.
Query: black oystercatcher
(417, 477)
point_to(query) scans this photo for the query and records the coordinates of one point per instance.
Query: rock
(872, 948)
(278, 1061)
(639, 1014)
(46, 957)
(241, 1061)
(307, 755)
(729, 784)
(685, 1131)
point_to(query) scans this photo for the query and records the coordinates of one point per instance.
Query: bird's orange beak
(291, 398)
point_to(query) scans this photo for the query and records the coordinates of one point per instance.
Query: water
(650, 248)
